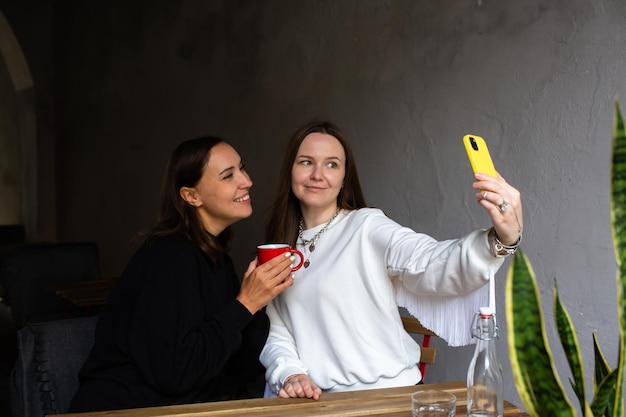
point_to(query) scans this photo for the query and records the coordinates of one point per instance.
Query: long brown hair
(285, 211)
(184, 169)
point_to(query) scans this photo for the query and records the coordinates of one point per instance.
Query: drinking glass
(433, 403)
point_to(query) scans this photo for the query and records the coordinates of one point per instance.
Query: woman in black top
(179, 326)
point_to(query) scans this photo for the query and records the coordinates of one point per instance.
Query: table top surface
(90, 293)
(385, 402)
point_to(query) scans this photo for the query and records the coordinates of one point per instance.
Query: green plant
(535, 374)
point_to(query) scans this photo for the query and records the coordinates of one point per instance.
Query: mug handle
(297, 253)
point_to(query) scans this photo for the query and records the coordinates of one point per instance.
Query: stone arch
(18, 141)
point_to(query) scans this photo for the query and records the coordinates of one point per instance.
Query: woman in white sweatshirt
(338, 327)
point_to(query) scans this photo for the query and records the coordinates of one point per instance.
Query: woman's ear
(189, 196)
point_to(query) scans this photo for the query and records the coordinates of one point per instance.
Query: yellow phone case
(478, 155)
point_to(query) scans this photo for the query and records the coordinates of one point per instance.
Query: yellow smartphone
(478, 155)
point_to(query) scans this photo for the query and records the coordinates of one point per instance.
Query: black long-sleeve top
(172, 332)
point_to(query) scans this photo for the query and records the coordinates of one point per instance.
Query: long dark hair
(184, 169)
(285, 210)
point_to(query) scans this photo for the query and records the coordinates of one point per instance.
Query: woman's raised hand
(504, 205)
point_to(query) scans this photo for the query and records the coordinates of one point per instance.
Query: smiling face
(221, 197)
(317, 173)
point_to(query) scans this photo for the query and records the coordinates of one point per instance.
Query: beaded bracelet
(499, 249)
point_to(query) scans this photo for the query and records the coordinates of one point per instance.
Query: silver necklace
(312, 241)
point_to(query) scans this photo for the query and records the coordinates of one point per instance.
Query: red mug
(272, 250)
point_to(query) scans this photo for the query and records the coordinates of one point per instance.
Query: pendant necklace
(306, 242)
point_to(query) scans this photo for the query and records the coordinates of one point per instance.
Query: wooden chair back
(428, 355)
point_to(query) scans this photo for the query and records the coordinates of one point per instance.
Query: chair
(428, 354)
(12, 234)
(50, 355)
(26, 273)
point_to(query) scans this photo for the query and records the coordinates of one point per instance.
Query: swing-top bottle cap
(485, 312)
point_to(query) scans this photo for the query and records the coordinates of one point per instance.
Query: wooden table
(386, 402)
(93, 293)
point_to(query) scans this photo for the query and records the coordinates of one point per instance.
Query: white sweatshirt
(339, 323)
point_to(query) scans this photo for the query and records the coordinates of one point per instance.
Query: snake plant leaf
(601, 366)
(601, 371)
(603, 396)
(618, 229)
(534, 371)
(569, 341)
(535, 375)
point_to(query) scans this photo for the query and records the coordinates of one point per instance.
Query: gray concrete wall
(405, 79)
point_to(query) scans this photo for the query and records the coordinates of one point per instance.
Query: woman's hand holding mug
(272, 250)
(268, 275)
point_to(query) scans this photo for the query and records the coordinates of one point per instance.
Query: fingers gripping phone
(478, 155)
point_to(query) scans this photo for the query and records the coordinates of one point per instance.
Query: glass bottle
(484, 376)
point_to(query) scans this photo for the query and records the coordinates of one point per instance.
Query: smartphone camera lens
(474, 144)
